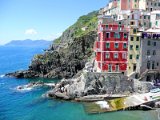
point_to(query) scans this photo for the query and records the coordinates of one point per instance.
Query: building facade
(149, 5)
(155, 19)
(112, 46)
(150, 54)
(138, 16)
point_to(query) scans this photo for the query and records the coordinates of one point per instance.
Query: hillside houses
(124, 33)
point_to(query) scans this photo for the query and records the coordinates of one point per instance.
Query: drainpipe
(101, 53)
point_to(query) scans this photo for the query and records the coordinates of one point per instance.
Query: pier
(122, 103)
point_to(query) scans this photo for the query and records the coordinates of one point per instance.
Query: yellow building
(134, 43)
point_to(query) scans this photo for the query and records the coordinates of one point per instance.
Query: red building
(111, 47)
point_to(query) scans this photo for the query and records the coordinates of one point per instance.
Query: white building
(150, 54)
(155, 19)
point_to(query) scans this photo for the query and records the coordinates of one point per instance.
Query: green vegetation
(57, 41)
(88, 22)
(83, 26)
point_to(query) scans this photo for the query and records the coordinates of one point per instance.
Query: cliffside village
(129, 39)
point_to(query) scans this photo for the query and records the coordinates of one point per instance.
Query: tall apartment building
(112, 46)
(149, 5)
(150, 54)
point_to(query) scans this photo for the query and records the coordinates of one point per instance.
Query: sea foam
(1, 76)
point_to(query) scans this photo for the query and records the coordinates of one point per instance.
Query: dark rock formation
(64, 62)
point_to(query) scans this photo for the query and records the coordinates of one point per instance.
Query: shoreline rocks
(100, 85)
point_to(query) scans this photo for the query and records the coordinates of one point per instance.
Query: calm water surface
(31, 105)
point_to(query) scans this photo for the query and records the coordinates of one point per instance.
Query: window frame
(107, 45)
(116, 54)
(116, 45)
(107, 56)
(109, 34)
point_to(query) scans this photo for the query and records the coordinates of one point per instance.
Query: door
(117, 68)
(153, 66)
(134, 67)
(109, 68)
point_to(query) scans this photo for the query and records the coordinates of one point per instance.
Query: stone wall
(101, 83)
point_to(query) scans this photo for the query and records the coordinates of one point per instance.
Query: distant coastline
(28, 43)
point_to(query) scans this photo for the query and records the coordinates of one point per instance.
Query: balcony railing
(114, 29)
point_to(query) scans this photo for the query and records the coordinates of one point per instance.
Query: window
(137, 39)
(107, 26)
(144, 23)
(125, 35)
(137, 57)
(148, 52)
(107, 45)
(131, 56)
(116, 35)
(132, 23)
(153, 64)
(137, 47)
(157, 64)
(148, 17)
(155, 4)
(107, 35)
(107, 56)
(149, 43)
(132, 38)
(115, 55)
(150, 24)
(131, 47)
(117, 68)
(154, 52)
(134, 31)
(115, 45)
(144, 17)
(158, 4)
(148, 65)
(156, 22)
(124, 56)
(154, 43)
(109, 68)
(124, 45)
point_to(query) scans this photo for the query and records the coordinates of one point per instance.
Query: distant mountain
(28, 43)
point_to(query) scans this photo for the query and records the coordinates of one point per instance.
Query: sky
(41, 19)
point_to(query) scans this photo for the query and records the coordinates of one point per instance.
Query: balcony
(114, 29)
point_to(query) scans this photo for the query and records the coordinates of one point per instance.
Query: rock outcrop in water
(68, 54)
(101, 85)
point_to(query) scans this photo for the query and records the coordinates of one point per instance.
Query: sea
(32, 105)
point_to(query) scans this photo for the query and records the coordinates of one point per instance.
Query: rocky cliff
(68, 54)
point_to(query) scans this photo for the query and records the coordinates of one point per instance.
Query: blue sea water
(31, 105)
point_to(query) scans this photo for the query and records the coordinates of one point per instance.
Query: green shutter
(107, 45)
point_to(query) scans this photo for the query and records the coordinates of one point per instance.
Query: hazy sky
(41, 19)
